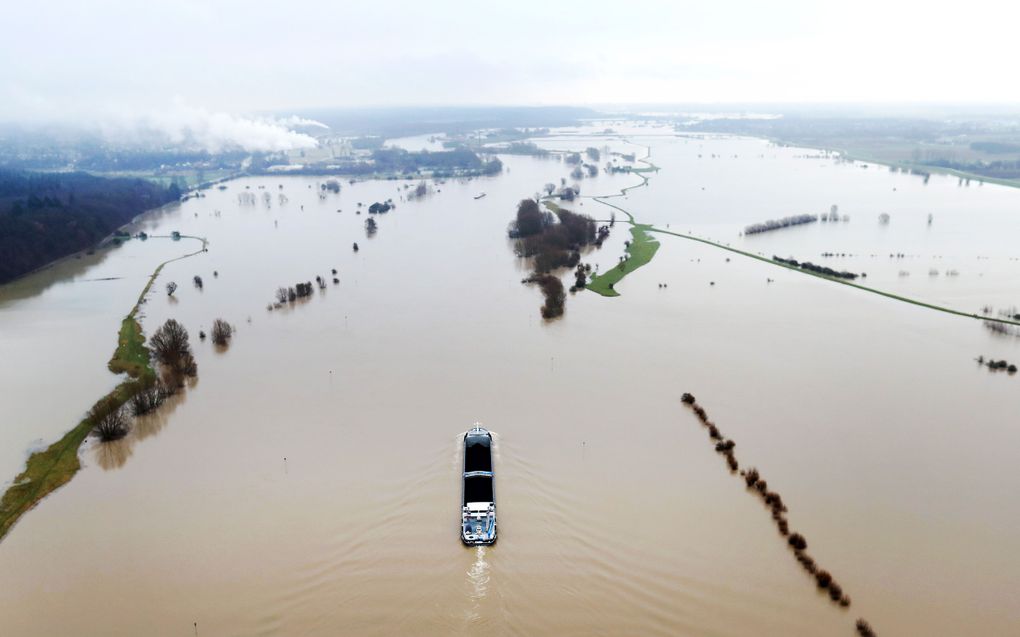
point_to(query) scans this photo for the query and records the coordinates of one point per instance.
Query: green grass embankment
(53, 467)
(640, 251)
(49, 469)
(642, 245)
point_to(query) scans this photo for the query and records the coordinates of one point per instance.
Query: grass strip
(53, 467)
(640, 251)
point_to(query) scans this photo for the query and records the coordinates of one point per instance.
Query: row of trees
(776, 224)
(171, 348)
(757, 486)
(997, 365)
(293, 293)
(46, 216)
(817, 269)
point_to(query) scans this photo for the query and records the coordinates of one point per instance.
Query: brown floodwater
(307, 483)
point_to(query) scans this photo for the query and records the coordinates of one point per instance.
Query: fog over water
(308, 482)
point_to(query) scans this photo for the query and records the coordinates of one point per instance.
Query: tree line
(46, 216)
(757, 486)
(817, 269)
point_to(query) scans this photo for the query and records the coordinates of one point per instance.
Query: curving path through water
(641, 254)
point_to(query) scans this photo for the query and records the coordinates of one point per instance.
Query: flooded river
(308, 483)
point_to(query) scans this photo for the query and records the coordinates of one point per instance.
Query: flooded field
(307, 484)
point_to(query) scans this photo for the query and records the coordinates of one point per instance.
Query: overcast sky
(78, 58)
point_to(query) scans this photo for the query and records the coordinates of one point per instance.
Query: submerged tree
(530, 219)
(172, 349)
(170, 342)
(580, 277)
(113, 424)
(552, 289)
(221, 332)
(198, 282)
(171, 287)
(148, 399)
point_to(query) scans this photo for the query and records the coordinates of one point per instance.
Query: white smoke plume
(198, 128)
(300, 122)
(158, 124)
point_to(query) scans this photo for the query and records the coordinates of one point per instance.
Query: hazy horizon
(227, 74)
(115, 62)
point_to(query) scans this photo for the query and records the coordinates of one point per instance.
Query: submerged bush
(725, 445)
(797, 541)
(807, 562)
(751, 477)
(731, 461)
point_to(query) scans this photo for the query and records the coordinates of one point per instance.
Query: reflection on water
(153, 422)
(114, 454)
(69, 268)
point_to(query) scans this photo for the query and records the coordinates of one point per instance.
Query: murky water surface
(307, 483)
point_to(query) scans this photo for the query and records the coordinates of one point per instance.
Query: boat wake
(478, 584)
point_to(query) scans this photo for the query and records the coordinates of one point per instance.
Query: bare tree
(148, 399)
(171, 287)
(170, 343)
(221, 332)
(281, 295)
(112, 425)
